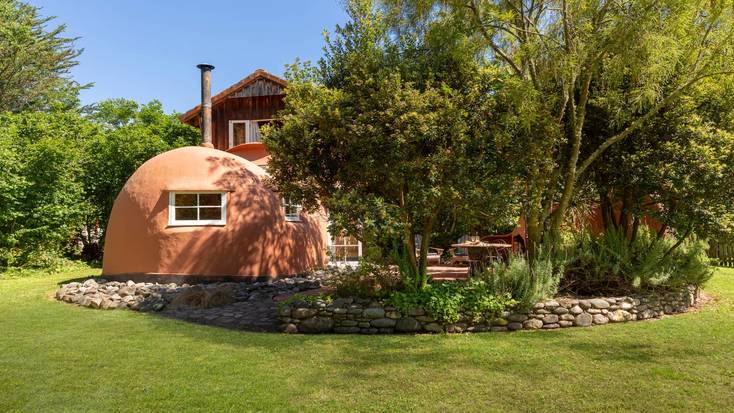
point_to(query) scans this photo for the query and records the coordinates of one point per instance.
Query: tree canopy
(631, 58)
(35, 60)
(388, 135)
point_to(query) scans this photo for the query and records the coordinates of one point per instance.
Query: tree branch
(641, 120)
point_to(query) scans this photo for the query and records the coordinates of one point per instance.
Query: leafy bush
(447, 302)
(42, 204)
(610, 262)
(368, 280)
(526, 283)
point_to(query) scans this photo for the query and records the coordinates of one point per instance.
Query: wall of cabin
(239, 108)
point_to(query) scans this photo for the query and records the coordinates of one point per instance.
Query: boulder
(373, 312)
(583, 320)
(599, 303)
(560, 310)
(316, 325)
(514, 326)
(407, 325)
(617, 316)
(600, 319)
(533, 324)
(550, 319)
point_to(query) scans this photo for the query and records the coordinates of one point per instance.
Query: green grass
(58, 357)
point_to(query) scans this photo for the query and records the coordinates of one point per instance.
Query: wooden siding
(260, 87)
(247, 108)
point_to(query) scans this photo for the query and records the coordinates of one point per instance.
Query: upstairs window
(197, 208)
(245, 131)
(291, 210)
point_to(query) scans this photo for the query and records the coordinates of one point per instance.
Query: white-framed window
(345, 249)
(197, 208)
(291, 210)
(246, 131)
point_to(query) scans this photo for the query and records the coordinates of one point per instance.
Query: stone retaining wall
(349, 315)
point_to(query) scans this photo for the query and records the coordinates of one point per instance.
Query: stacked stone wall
(352, 315)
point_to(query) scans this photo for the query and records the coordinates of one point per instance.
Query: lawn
(58, 357)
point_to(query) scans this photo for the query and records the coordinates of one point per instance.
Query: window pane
(239, 132)
(185, 200)
(254, 132)
(210, 214)
(340, 253)
(186, 214)
(352, 253)
(210, 199)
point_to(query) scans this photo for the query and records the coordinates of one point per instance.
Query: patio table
(482, 253)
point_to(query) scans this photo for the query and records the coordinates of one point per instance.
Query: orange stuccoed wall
(256, 240)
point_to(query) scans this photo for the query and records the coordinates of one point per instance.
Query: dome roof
(195, 168)
(255, 239)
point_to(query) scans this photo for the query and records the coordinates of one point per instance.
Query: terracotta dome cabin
(204, 212)
(200, 212)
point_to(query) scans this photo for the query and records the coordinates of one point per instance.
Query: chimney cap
(205, 66)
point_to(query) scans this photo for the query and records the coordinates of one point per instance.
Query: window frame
(333, 246)
(173, 222)
(290, 217)
(248, 124)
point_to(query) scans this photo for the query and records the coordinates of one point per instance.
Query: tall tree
(678, 167)
(640, 55)
(35, 60)
(388, 135)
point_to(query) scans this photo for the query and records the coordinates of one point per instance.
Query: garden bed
(363, 316)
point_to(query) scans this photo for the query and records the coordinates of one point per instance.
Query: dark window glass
(210, 199)
(185, 200)
(186, 214)
(207, 214)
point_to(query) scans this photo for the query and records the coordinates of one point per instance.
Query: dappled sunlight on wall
(256, 240)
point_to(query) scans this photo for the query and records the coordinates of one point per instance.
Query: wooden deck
(448, 273)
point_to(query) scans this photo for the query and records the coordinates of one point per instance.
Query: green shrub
(612, 263)
(368, 280)
(447, 302)
(42, 204)
(526, 283)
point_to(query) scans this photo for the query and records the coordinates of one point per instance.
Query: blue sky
(145, 50)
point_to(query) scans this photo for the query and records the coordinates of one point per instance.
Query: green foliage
(635, 60)
(526, 282)
(610, 262)
(43, 204)
(368, 280)
(447, 302)
(389, 134)
(35, 59)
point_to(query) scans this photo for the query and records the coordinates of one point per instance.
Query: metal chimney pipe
(206, 104)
